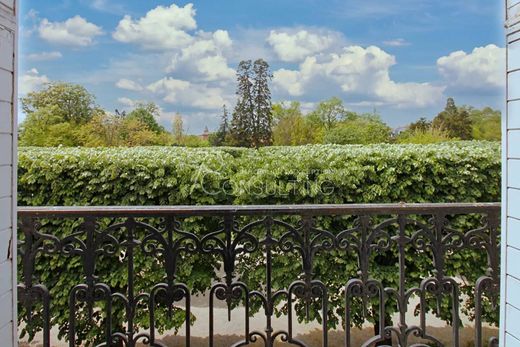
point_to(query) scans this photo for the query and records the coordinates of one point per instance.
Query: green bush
(448, 172)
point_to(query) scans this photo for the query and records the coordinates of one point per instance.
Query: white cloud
(127, 84)
(196, 95)
(44, 56)
(396, 43)
(360, 72)
(161, 28)
(75, 31)
(293, 46)
(127, 102)
(205, 56)
(482, 69)
(31, 81)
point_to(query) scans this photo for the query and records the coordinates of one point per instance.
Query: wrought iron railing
(339, 265)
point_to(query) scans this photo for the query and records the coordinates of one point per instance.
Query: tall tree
(242, 121)
(220, 137)
(178, 129)
(262, 117)
(455, 121)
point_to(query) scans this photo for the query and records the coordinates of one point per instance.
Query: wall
(8, 47)
(510, 326)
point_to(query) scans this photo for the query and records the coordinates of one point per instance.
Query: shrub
(448, 172)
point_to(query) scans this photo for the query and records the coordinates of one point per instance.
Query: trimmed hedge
(451, 172)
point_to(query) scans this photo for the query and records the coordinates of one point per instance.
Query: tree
(329, 112)
(456, 122)
(178, 129)
(361, 130)
(421, 125)
(242, 121)
(220, 138)
(487, 123)
(147, 113)
(424, 136)
(291, 127)
(251, 124)
(70, 102)
(263, 118)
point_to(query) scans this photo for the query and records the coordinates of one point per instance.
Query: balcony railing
(118, 275)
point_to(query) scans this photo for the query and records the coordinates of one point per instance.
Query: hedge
(450, 172)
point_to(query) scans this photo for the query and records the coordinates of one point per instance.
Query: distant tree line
(67, 114)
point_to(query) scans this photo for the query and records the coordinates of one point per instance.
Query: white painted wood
(513, 237)
(513, 259)
(5, 240)
(513, 201)
(6, 145)
(6, 125)
(512, 320)
(513, 90)
(6, 210)
(6, 333)
(5, 283)
(513, 137)
(513, 181)
(6, 302)
(6, 52)
(512, 2)
(6, 175)
(6, 80)
(513, 57)
(513, 286)
(513, 114)
(512, 341)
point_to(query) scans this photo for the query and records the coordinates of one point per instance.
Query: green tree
(360, 130)
(421, 125)
(242, 119)
(147, 113)
(70, 102)
(455, 121)
(262, 116)
(178, 129)
(423, 136)
(220, 138)
(329, 112)
(291, 127)
(487, 123)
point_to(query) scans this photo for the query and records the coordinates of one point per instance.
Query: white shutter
(8, 97)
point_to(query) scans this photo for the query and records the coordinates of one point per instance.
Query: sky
(400, 58)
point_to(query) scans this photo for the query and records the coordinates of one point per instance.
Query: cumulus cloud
(293, 46)
(44, 56)
(30, 81)
(75, 31)
(161, 28)
(482, 69)
(363, 72)
(126, 102)
(127, 84)
(197, 95)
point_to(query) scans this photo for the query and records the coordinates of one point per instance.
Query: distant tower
(205, 134)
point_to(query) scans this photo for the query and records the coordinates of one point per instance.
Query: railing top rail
(308, 209)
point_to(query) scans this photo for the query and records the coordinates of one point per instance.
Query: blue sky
(401, 57)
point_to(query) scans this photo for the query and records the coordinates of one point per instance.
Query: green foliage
(487, 123)
(222, 136)
(448, 172)
(252, 117)
(291, 127)
(426, 136)
(329, 112)
(147, 114)
(359, 130)
(69, 102)
(455, 121)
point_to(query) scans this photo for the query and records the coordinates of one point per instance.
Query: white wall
(8, 47)
(510, 305)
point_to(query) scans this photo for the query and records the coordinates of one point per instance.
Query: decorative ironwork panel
(119, 276)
